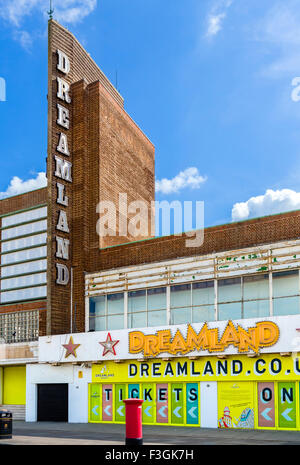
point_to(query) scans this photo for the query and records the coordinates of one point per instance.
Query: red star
(109, 345)
(70, 347)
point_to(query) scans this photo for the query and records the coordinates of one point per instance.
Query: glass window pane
(231, 311)
(202, 314)
(285, 283)
(25, 229)
(24, 216)
(115, 303)
(91, 315)
(136, 301)
(97, 304)
(100, 324)
(24, 242)
(29, 280)
(256, 287)
(256, 309)
(28, 267)
(23, 255)
(157, 318)
(203, 293)
(115, 322)
(181, 295)
(181, 316)
(24, 294)
(157, 298)
(229, 290)
(286, 306)
(137, 320)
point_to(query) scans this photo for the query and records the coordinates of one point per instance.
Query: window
(24, 242)
(157, 306)
(107, 312)
(137, 309)
(115, 311)
(23, 281)
(286, 292)
(19, 327)
(256, 296)
(24, 255)
(147, 308)
(24, 294)
(29, 215)
(203, 299)
(24, 229)
(237, 298)
(229, 299)
(22, 268)
(181, 301)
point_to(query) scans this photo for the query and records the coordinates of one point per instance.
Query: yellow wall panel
(14, 385)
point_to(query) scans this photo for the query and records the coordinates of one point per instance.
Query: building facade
(207, 336)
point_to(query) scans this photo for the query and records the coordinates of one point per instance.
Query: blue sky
(208, 81)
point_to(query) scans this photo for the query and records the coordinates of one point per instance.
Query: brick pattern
(232, 236)
(110, 156)
(23, 201)
(40, 305)
(109, 153)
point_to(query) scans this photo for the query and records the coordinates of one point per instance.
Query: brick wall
(23, 201)
(40, 305)
(109, 155)
(232, 236)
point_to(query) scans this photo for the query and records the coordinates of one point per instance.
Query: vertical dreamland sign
(71, 75)
(59, 174)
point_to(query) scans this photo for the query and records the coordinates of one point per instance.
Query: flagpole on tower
(51, 10)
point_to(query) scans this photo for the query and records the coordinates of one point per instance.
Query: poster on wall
(286, 405)
(236, 405)
(95, 402)
(266, 405)
(162, 405)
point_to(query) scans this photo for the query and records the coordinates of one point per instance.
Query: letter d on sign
(63, 63)
(136, 342)
(62, 274)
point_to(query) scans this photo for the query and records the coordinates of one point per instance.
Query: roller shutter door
(52, 402)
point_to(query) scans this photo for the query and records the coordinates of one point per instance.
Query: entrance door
(52, 402)
(209, 404)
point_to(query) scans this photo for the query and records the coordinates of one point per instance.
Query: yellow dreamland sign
(268, 367)
(263, 334)
(251, 392)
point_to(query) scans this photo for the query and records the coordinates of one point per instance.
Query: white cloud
(270, 203)
(215, 24)
(68, 11)
(216, 17)
(279, 32)
(18, 186)
(189, 178)
(24, 38)
(14, 12)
